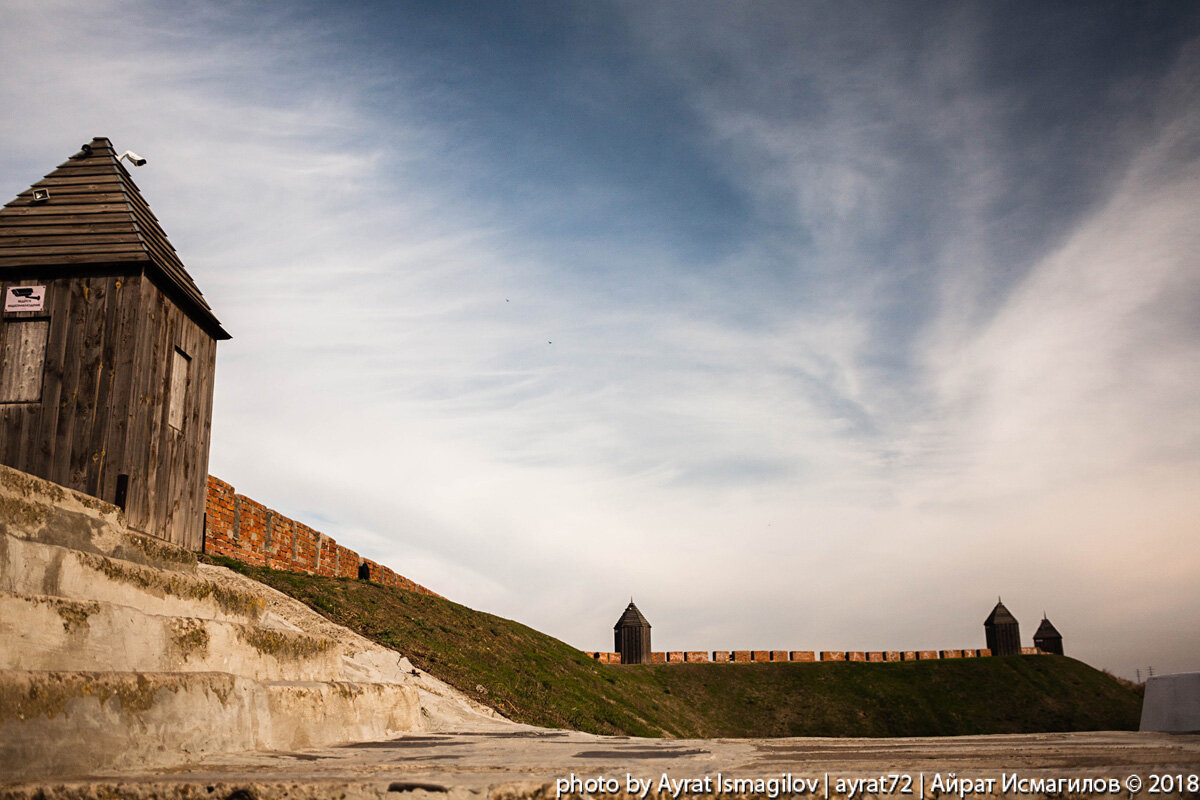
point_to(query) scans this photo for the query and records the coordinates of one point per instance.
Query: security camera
(133, 157)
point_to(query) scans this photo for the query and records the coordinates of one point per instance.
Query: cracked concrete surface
(507, 761)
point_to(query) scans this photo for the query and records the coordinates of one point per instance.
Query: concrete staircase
(119, 650)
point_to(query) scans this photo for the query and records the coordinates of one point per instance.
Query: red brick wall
(775, 656)
(238, 527)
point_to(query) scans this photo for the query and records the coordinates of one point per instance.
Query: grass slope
(534, 678)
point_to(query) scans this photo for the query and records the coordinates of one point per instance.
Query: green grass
(531, 677)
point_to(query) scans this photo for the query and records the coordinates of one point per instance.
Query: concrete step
(39, 632)
(40, 511)
(33, 567)
(71, 724)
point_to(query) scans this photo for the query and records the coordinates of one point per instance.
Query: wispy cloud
(795, 326)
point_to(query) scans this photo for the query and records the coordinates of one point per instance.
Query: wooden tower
(632, 635)
(107, 348)
(1003, 632)
(1047, 638)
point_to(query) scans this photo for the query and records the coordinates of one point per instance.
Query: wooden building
(107, 348)
(1002, 631)
(1047, 638)
(632, 636)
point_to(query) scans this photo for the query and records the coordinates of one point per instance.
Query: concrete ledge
(59, 634)
(1172, 704)
(35, 568)
(41, 511)
(57, 725)
(317, 714)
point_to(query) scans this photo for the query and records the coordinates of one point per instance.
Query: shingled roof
(632, 618)
(1047, 631)
(1000, 616)
(89, 212)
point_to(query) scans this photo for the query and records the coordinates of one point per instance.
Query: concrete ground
(507, 763)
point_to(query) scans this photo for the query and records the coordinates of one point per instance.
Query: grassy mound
(534, 678)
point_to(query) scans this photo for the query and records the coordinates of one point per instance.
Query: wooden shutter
(21, 360)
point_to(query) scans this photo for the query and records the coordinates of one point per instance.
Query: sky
(809, 326)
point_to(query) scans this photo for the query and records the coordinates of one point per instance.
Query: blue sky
(812, 326)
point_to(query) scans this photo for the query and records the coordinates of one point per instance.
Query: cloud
(909, 346)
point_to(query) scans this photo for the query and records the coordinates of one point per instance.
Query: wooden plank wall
(40, 437)
(169, 496)
(103, 409)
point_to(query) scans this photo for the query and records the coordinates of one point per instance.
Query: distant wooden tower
(1003, 632)
(1048, 639)
(632, 635)
(107, 348)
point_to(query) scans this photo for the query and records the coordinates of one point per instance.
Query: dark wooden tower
(632, 635)
(1047, 638)
(107, 348)
(1003, 632)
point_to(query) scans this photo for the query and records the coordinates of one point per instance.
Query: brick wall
(801, 656)
(238, 527)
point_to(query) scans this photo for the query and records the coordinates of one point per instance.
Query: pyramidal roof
(90, 212)
(1000, 616)
(632, 618)
(1047, 631)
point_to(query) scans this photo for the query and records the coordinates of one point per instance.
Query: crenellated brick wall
(804, 656)
(241, 528)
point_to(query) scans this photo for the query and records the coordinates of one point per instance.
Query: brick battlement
(241, 528)
(802, 656)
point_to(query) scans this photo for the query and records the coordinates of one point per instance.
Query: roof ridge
(53, 224)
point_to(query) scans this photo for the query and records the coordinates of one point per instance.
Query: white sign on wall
(24, 298)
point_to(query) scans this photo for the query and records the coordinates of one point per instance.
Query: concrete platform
(121, 652)
(508, 764)
(67, 722)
